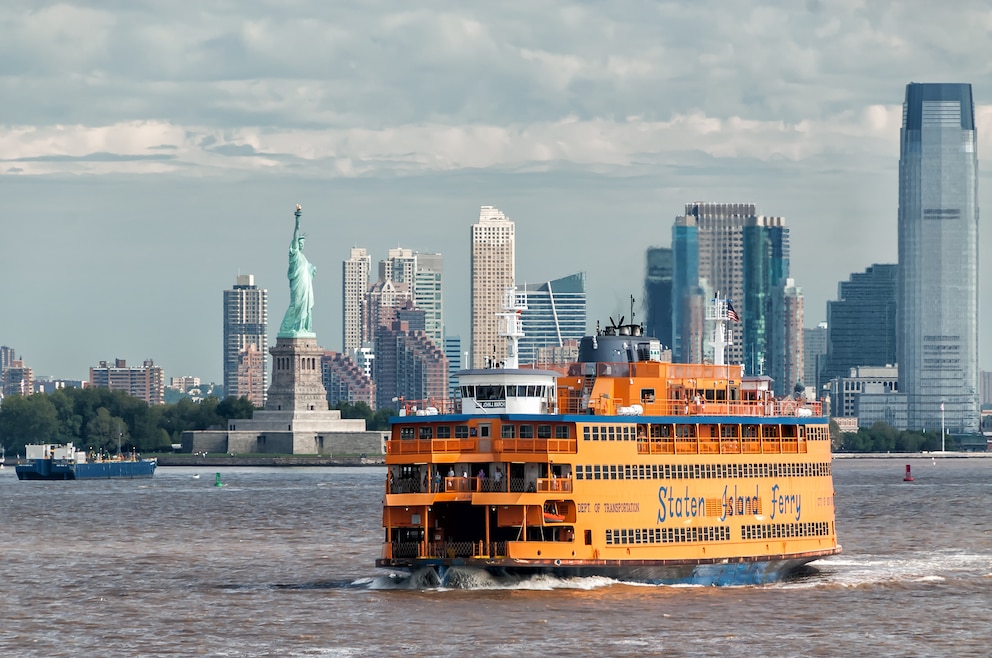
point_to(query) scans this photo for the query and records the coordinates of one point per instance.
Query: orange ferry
(621, 466)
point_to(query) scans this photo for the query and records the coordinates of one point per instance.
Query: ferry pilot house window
(507, 431)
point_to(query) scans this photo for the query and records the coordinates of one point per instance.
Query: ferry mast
(510, 326)
(717, 312)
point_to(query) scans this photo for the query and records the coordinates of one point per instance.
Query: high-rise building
(246, 319)
(788, 357)
(718, 236)
(453, 352)
(345, 381)
(6, 358)
(492, 266)
(556, 312)
(18, 379)
(145, 382)
(687, 296)
(727, 249)
(408, 367)
(658, 294)
(355, 286)
(938, 258)
(861, 323)
(814, 349)
(423, 273)
(764, 260)
(382, 301)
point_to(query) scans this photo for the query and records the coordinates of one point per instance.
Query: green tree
(104, 430)
(25, 420)
(233, 407)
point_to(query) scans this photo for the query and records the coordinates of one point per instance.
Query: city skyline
(186, 145)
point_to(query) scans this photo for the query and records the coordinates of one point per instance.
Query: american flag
(731, 313)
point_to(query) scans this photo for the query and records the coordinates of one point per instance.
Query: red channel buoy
(909, 476)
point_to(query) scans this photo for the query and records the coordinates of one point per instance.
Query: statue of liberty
(298, 321)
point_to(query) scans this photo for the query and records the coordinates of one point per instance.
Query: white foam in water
(859, 571)
(480, 579)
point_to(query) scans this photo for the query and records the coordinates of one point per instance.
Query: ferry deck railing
(476, 484)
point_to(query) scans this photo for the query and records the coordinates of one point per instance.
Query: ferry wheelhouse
(621, 466)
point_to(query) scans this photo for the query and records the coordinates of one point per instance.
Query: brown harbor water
(279, 562)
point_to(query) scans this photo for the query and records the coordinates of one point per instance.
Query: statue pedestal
(297, 382)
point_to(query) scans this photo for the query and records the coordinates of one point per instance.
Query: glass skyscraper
(938, 258)
(658, 294)
(556, 312)
(861, 323)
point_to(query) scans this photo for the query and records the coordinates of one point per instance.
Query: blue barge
(49, 461)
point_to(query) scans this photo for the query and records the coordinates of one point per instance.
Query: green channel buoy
(217, 481)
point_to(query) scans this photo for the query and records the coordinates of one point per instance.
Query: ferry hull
(759, 571)
(43, 469)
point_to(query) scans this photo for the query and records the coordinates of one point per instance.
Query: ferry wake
(620, 465)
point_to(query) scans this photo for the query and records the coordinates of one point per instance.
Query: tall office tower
(145, 382)
(716, 231)
(492, 267)
(556, 312)
(687, 296)
(355, 285)
(423, 274)
(814, 348)
(861, 323)
(938, 258)
(764, 259)
(246, 319)
(658, 294)
(787, 357)
(453, 352)
(345, 381)
(18, 379)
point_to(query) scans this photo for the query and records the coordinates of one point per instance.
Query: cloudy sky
(151, 151)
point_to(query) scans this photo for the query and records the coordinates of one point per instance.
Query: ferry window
(511, 391)
(660, 431)
(484, 431)
(613, 471)
(625, 472)
(426, 432)
(544, 431)
(588, 472)
(596, 472)
(647, 395)
(468, 391)
(561, 432)
(579, 472)
(461, 431)
(508, 431)
(595, 433)
(444, 431)
(769, 431)
(526, 431)
(612, 432)
(588, 537)
(586, 433)
(406, 432)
